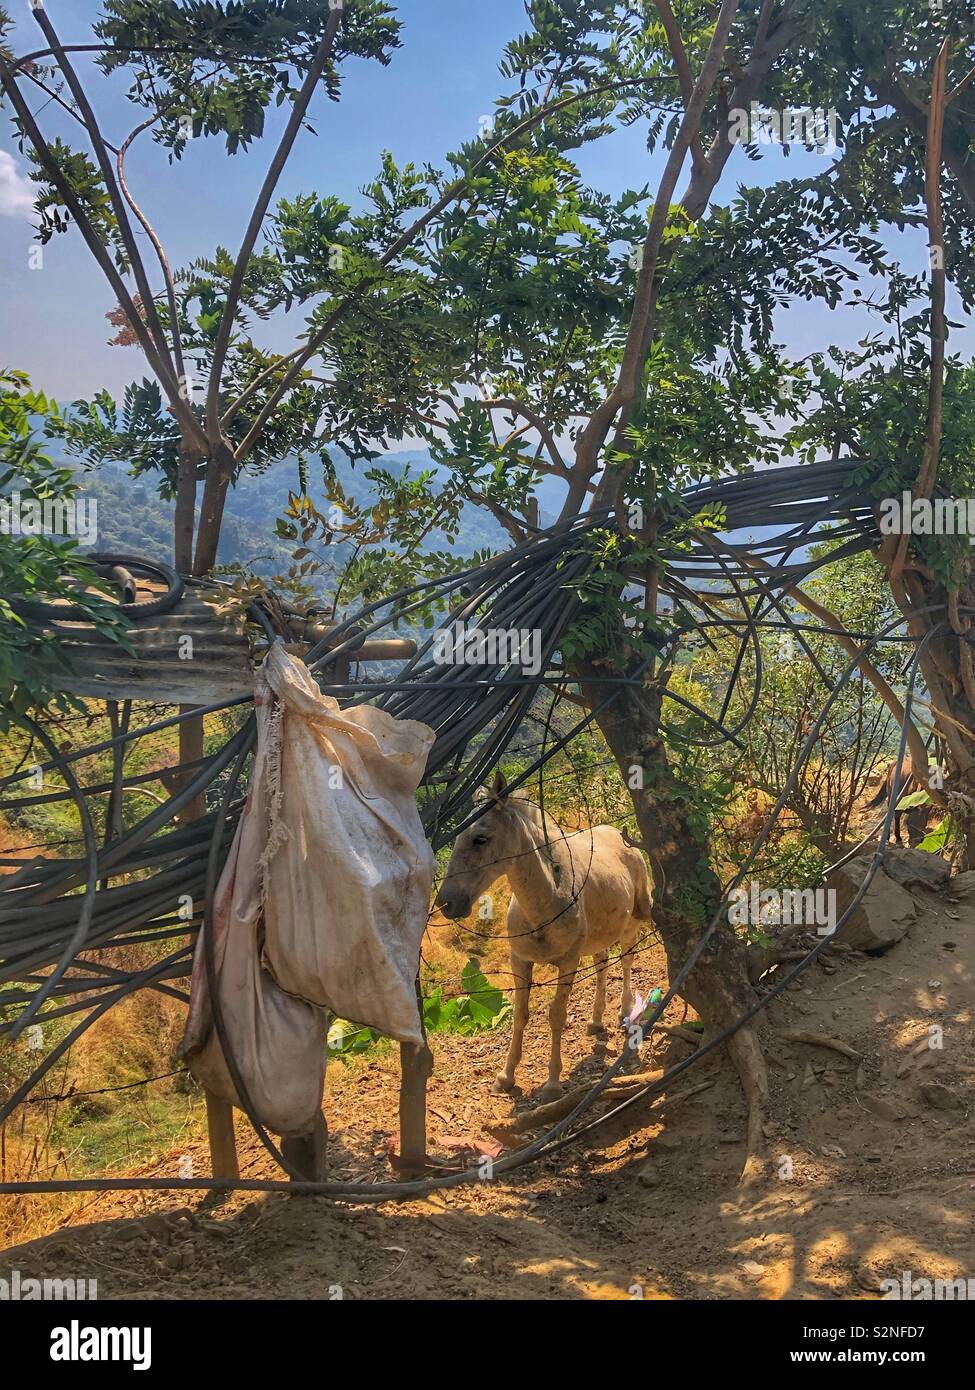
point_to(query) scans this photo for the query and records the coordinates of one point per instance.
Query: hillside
(133, 518)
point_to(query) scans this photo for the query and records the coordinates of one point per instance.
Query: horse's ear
(499, 787)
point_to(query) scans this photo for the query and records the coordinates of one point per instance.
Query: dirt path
(869, 1176)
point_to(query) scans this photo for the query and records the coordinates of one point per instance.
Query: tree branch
(450, 195)
(156, 243)
(928, 474)
(559, 466)
(60, 101)
(298, 112)
(684, 75)
(500, 514)
(118, 204)
(99, 252)
(619, 403)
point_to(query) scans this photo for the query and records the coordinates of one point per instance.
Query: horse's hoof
(552, 1090)
(503, 1086)
(596, 1030)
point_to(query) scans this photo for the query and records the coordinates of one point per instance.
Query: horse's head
(481, 852)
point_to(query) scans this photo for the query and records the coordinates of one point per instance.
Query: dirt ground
(868, 1176)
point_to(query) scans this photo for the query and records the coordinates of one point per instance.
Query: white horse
(573, 894)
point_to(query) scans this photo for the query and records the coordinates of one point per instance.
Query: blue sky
(427, 102)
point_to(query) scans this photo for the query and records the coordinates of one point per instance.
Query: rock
(667, 1142)
(963, 884)
(883, 1109)
(883, 915)
(941, 1097)
(157, 1224)
(648, 1174)
(754, 1268)
(913, 866)
(868, 1279)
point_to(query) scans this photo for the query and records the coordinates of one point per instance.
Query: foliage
(38, 567)
(872, 401)
(479, 1006)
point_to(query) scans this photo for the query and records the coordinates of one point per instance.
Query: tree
(196, 69)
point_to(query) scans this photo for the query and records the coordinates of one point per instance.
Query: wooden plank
(416, 1065)
(223, 1145)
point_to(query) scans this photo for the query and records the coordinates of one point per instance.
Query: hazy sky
(427, 102)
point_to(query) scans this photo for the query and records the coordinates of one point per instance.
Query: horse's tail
(643, 894)
(881, 796)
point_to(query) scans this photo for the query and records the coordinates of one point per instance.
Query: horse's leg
(601, 959)
(522, 972)
(557, 1011)
(626, 961)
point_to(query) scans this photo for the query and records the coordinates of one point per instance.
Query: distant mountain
(134, 519)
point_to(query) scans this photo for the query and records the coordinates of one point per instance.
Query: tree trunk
(220, 472)
(185, 517)
(686, 890)
(948, 667)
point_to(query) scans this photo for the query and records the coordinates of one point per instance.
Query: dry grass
(76, 1131)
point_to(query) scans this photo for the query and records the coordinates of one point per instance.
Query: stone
(940, 1097)
(648, 1174)
(914, 867)
(883, 915)
(868, 1279)
(963, 884)
(882, 1108)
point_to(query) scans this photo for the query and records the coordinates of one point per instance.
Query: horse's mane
(520, 801)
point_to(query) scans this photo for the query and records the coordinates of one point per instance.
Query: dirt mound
(871, 1165)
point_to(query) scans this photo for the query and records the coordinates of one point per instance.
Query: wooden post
(220, 1113)
(308, 1152)
(416, 1064)
(415, 1068)
(223, 1146)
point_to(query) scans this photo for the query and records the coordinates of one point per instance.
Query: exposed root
(690, 1035)
(746, 1053)
(544, 1115)
(820, 1040)
(507, 1131)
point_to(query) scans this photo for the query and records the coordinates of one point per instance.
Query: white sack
(323, 900)
(278, 1042)
(349, 869)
